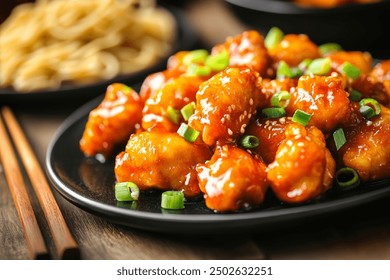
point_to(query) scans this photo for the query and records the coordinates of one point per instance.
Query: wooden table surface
(362, 232)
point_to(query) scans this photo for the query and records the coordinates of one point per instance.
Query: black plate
(361, 27)
(88, 184)
(186, 39)
(289, 7)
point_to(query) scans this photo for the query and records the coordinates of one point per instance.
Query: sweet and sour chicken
(253, 116)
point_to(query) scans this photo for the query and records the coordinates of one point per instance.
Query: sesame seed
(230, 132)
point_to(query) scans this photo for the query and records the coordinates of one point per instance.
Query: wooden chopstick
(65, 245)
(34, 239)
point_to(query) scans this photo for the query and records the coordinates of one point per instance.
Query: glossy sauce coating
(225, 105)
(112, 121)
(270, 133)
(323, 97)
(293, 49)
(361, 60)
(293, 160)
(376, 84)
(246, 49)
(303, 167)
(175, 93)
(232, 180)
(160, 160)
(367, 149)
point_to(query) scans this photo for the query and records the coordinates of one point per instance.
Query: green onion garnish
(367, 112)
(172, 200)
(188, 133)
(126, 191)
(319, 66)
(198, 70)
(296, 72)
(273, 37)
(350, 70)
(347, 177)
(127, 89)
(219, 61)
(283, 70)
(369, 107)
(304, 64)
(329, 48)
(339, 138)
(188, 110)
(355, 95)
(273, 113)
(173, 115)
(301, 117)
(196, 56)
(249, 141)
(281, 99)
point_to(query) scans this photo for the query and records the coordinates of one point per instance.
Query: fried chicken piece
(155, 82)
(175, 93)
(225, 104)
(303, 167)
(270, 133)
(323, 97)
(232, 180)
(158, 160)
(293, 49)
(361, 60)
(112, 121)
(270, 87)
(376, 84)
(246, 49)
(367, 149)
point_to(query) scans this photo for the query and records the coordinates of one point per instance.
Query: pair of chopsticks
(65, 246)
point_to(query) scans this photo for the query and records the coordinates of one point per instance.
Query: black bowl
(354, 26)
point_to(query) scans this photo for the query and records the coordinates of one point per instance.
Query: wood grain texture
(34, 238)
(65, 245)
(12, 242)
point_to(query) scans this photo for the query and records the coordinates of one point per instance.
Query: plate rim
(284, 7)
(200, 222)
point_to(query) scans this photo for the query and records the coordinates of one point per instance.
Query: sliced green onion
(301, 117)
(319, 66)
(188, 133)
(196, 56)
(219, 61)
(350, 70)
(329, 48)
(304, 64)
(339, 138)
(273, 37)
(283, 70)
(367, 112)
(249, 141)
(296, 72)
(347, 177)
(198, 70)
(172, 200)
(127, 89)
(369, 108)
(188, 110)
(173, 115)
(273, 113)
(355, 95)
(281, 99)
(126, 191)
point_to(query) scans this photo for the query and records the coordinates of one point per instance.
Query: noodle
(46, 44)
